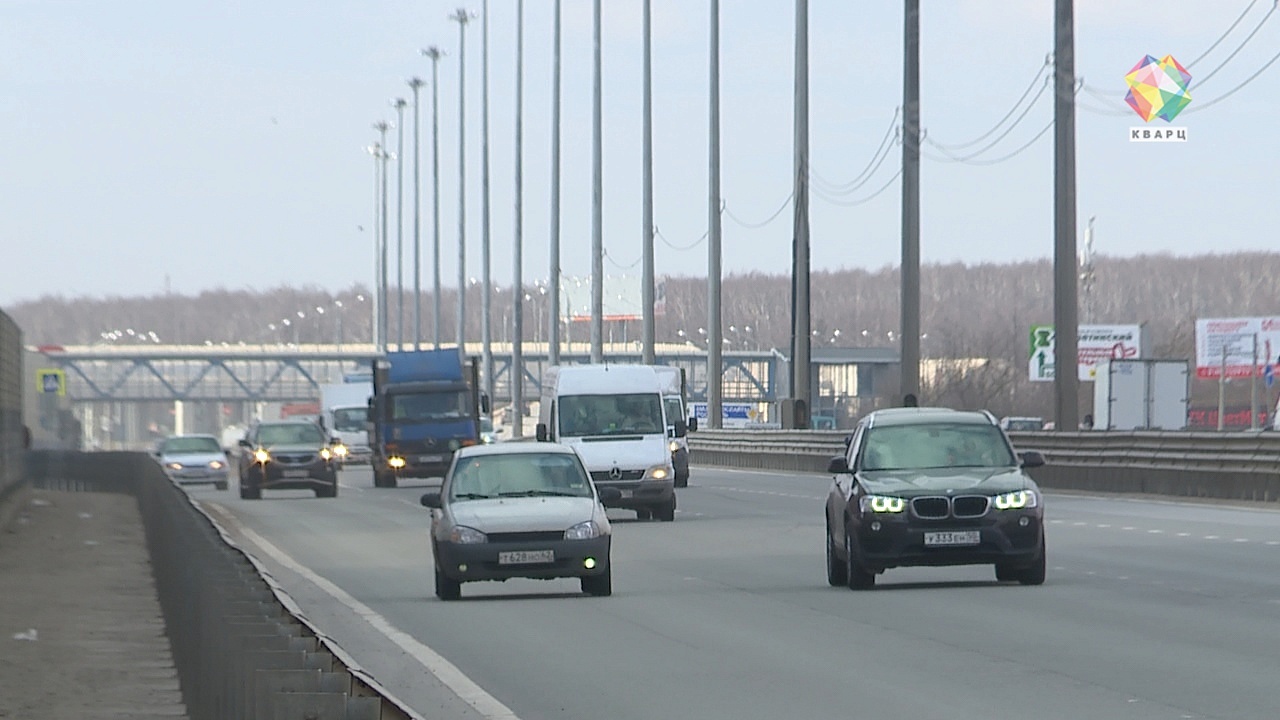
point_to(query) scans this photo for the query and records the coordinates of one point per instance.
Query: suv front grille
(930, 508)
(970, 506)
(940, 508)
(295, 458)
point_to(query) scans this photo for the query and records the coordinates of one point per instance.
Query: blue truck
(425, 405)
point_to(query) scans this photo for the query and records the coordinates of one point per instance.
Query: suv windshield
(522, 475)
(444, 405)
(179, 446)
(582, 415)
(935, 445)
(291, 434)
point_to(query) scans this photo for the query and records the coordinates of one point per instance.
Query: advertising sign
(732, 415)
(1094, 344)
(1235, 337)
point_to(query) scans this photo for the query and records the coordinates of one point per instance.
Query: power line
(1241, 46)
(1022, 116)
(1031, 86)
(1235, 89)
(757, 226)
(680, 248)
(619, 265)
(859, 201)
(994, 161)
(1224, 35)
(857, 183)
(892, 132)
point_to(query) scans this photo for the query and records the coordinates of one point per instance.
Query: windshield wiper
(472, 496)
(540, 493)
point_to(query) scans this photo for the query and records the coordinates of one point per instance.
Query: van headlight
(340, 450)
(583, 531)
(673, 446)
(217, 465)
(657, 472)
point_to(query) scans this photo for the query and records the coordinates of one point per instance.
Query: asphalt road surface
(1152, 609)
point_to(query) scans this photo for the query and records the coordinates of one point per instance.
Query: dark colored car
(933, 486)
(287, 455)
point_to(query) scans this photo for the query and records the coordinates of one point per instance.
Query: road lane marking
(446, 672)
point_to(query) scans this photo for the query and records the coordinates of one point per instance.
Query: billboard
(1095, 343)
(1235, 338)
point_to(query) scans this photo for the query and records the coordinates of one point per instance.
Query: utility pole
(597, 204)
(553, 337)
(909, 337)
(462, 18)
(376, 326)
(1065, 319)
(517, 294)
(399, 104)
(646, 216)
(416, 84)
(800, 384)
(715, 363)
(435, 54)
(486, 279)
(382, 126)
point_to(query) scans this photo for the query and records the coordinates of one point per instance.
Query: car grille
(603, 475)
(940, 508)
(526, 537)
(295, 458)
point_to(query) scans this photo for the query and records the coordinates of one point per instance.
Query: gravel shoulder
(81, 630)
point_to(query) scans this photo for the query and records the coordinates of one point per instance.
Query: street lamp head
(398, 104)
(416, 82)
(462, 16)
(433, 52)
(382, 126)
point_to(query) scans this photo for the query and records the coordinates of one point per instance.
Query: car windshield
(190, 446)
(292, 434)
(935, 445)
(350, 419)
(582, 415)
(530, 474)
(444, 405)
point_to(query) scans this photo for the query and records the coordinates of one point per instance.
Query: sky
(207, 145)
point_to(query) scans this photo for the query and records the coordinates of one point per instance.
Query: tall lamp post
(399, 104)
(517, 348)
(553, 335)
(486, 279)
(416, 83)
(382, 126)
(435, 54)
(462, 17)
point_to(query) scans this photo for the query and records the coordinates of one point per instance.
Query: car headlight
(583, 531)
(1016, 500)
(673, 446)
(217, 465)
(657, 472)
(261, 455)
(340, 450)
(174, 466)
(463, 535)
(325, 453)
(882, 504)
(396, 462)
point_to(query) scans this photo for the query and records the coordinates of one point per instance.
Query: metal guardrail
(1236, 466)
(242, 648)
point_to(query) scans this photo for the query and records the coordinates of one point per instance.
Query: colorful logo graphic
(1158, 88)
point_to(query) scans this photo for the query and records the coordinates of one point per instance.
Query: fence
(11, 429)
(1233, 466)
(241, 647)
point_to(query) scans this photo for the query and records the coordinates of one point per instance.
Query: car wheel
(250, 492)
(447, 588)
(1006, 573)
(1034, 574)
(837, 574)
(857, 577)
(643, 514)
(599, 585)
(667, 511)
(328, 492)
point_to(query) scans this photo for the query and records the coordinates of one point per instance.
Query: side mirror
(1031, 459)
(431, 500)
(681, 429)
(498, 431)
(847, 439)
(541, 432)
(244, 443)
(693, 424)
(609, 494)
(838, 465)
(484, 405)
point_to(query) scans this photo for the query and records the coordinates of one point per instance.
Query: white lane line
(1273, 542)
(1079, 524)
(1242, 540)
(350, 487)
(1155, 532)
(1104, 525)
(1211, 537)
(1128, 527)
(410, 503)
(1184, 534)
(1055, 522)
(448, 673)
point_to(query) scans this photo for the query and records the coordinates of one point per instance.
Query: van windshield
(582, 415)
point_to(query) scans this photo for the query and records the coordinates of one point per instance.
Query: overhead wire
(1021, 116)
(756, 226)
(679, 248)
(1048, 62)
(872, 165)
(1234, 90)
(1275, 4)
(619, 265)
(862, 200)
(1224, 35)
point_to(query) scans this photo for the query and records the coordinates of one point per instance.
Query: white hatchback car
(193, 459)
(519, 510)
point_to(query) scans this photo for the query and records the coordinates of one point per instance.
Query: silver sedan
(193, 460)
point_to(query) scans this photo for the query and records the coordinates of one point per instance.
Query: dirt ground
(81, 632)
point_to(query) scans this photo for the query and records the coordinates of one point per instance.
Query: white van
(673, 386)
(613, 415)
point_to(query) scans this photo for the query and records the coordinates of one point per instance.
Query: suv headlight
(325, 453)
(583, 531)
(261, 455)
(1016, 500)
(174, 466)
(657, 472)
(463, 535)
(882, 504)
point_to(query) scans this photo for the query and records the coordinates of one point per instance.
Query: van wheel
(667, 512)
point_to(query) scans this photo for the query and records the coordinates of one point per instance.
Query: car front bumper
(198, 476)
(480, 561)
(638, 494)
(274, 477)
(1004, 538)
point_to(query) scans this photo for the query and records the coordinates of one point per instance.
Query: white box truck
(344, 413)
(673, 404)
(614, 416)
(1142, 394)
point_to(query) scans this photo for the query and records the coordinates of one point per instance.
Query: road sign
(1269, 375)
(51, 381)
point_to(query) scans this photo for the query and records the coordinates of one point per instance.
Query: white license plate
(430, 458)
(526, 557)
(296, 473)
(946, 539)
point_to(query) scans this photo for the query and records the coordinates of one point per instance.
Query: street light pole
(375, 326)
(382, 126)
(553, 336)
(517, 296)
(597, 203)
(435, 54)
(416, 84)
(715, 363)
(486, 278)
(910, 328)
(399, 104)
(646, 215)
(462, 18)
(800, 339)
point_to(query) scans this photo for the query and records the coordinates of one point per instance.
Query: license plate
(627, 493)
(526, 557)
(296, 473)
(946, 539)
(430, 458)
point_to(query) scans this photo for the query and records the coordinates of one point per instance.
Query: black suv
(932, 486)
(287, 455)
